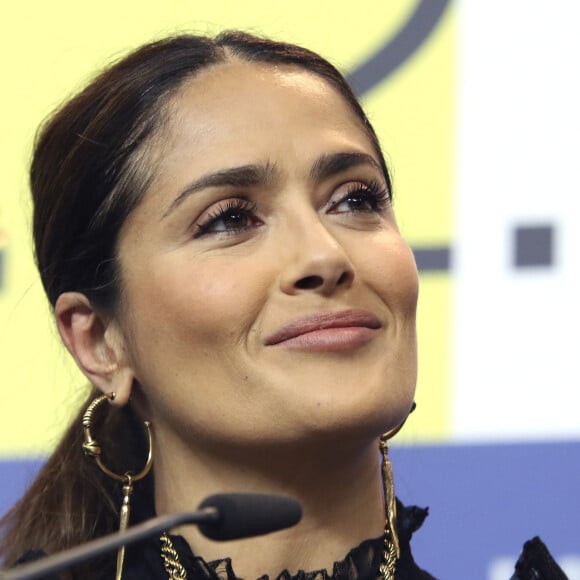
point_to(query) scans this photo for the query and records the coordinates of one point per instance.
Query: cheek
(391, 271)
(195, 301)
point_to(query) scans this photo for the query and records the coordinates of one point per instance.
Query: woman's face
(268, 294)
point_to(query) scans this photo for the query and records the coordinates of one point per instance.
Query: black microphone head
(243, 515)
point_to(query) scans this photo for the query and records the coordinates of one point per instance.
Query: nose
(318, 263)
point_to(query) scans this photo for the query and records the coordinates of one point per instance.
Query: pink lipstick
(327, 331)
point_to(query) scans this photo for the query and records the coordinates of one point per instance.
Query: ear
(96, 344)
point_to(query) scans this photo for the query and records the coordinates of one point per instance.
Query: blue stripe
(485, 501)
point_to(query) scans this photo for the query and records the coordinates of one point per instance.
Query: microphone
(243, 515)
(219, 517)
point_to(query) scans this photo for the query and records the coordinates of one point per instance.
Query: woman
(213, 227)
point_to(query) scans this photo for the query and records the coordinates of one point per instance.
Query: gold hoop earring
(93, 449)
(392, 551)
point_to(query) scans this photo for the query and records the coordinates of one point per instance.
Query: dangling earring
(391, 552)
(92, 448)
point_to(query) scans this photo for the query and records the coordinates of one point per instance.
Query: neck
(339, 488)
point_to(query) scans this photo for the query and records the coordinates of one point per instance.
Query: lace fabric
(361, 563)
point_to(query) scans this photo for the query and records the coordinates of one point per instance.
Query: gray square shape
(534, 246)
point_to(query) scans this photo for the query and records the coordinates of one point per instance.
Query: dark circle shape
(400, 47)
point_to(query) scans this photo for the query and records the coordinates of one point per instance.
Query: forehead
(239, 110)
(253, 85)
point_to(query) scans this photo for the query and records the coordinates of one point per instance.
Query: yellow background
(49, 49)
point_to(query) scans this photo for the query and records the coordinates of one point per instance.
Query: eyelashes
(232, 216)
(371, 197)
(236, 215)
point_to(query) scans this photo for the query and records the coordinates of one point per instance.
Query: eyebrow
(254, 175)
(330, 164)
(242, 176)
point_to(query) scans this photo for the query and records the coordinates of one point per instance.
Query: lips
(334, 330)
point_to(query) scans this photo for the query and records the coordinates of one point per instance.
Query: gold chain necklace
(170, 557)
(176, 571)
(390, 557)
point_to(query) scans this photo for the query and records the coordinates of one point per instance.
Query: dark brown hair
(88, 173)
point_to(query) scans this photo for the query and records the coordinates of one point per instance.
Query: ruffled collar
(361, 562)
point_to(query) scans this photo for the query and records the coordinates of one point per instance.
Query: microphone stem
(59, 562)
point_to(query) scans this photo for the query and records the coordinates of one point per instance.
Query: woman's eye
(355, 202)
(231, 218)
(359, 198)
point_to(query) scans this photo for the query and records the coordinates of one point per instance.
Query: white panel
(517, 351)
